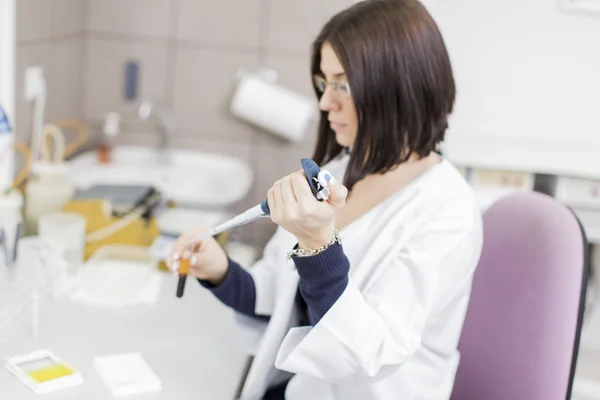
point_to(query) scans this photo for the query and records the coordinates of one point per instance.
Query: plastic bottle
(48, 189)
(110, 130)
(6, 153)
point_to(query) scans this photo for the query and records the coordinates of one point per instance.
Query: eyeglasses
(342, 88)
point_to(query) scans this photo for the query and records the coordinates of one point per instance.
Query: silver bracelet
(313, 252)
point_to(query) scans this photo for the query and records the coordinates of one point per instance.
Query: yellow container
(137, 233)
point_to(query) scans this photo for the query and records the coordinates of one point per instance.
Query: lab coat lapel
(372, 242)
(283, 318)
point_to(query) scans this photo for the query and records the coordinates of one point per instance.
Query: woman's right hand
(208, 260)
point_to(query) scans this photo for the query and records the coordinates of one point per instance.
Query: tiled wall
(50, 34)
(189, 52)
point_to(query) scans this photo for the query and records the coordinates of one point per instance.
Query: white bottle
(110, 131)
(48, 188)
(7, 153)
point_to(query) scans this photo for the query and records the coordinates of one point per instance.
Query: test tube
(184, 268)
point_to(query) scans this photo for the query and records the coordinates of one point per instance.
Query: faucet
(163, 120)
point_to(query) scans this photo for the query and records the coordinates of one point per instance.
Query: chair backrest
(521, 334)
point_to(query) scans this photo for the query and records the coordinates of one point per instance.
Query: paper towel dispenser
(260, 100)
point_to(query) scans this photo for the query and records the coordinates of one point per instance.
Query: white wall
(526, 70)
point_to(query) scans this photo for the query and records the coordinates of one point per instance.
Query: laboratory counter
(191, 343)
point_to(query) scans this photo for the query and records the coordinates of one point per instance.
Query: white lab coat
(394, 331)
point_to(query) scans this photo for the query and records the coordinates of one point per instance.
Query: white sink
(190, 178)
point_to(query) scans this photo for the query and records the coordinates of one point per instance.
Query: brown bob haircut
(401, 82)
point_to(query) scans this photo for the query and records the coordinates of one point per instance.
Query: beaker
(63, 234)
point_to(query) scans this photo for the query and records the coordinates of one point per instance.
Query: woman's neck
(405, 172)
(374, 189)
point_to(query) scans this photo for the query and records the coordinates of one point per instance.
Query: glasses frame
(342, 88)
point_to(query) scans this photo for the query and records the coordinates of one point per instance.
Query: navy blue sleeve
(236, 291)
(323, 279)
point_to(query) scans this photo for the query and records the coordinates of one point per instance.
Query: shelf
(526, 154)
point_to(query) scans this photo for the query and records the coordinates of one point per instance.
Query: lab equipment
(32, 272)
(317, 180)
(122, 214)
(127, 374)
(110, 131)
(173, 222)
(63, 233)
(43, 372)
(3, 246)
(36, 92)
(82, 134)
(183, 270)
(121, 199)
(527, 301)
(48, 189)
(11, 220)
(6, 153)
(272, 106)
(163, 119)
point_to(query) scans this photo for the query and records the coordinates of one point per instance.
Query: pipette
(317, 180)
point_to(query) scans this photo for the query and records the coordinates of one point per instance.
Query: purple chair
(521, 334)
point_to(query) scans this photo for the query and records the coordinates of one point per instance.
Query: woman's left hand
(295, 209)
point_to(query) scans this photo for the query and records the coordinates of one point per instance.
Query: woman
(377, 312)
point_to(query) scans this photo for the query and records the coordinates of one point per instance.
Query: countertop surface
(191, 343)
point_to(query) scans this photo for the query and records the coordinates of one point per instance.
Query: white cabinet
(583, 196)
(578, 192)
